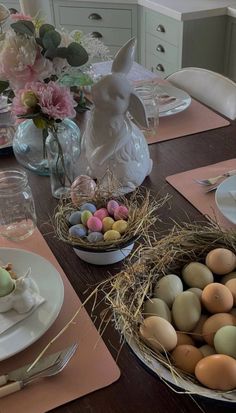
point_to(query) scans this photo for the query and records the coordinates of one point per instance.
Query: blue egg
(88, 207)
(95, 237)
(78, 231)
(75, 218)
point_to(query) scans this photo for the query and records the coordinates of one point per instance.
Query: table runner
(194, 193)
(90, 369)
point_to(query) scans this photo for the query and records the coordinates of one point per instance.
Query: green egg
(225, 341)
(85, 216)
(6, 283)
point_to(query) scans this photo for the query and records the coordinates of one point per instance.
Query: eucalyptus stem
(60, 157)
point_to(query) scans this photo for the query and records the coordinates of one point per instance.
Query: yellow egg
(120, 226)
(107, 223)
(217, 372)
(111, 235)
(221, 261)
(158, 334)
(186, 357)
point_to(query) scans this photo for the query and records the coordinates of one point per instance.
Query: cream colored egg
(158, 334)
(186, 311)
(156, 306)
(225, 341)
(207, 350)
(196, 274)
(228, 277)
(196, 291)
(168, 287)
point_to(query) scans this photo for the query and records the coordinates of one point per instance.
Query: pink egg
(101, 213)
(82, 185)
(121, 212)
(111, 206)
(94, 224)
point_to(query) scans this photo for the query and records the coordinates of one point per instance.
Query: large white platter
(51, 287)
(225, 201)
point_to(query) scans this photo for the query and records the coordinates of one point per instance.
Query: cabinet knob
(94, 16)
(160, 48)
(160, 68)
(160, 28)
(97, 35)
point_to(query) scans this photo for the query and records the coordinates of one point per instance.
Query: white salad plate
(51, 288)
(182, 102)
(224, 199)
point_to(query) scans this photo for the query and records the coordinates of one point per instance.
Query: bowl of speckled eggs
(102, 228)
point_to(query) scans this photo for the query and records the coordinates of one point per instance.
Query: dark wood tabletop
(138, 390)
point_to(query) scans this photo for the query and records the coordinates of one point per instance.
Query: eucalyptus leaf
(62, 52)
(29, 116)
(50, 53)
(51, 39)
(24, 27)
(77, 55)
(3, 85)
(39, 41)
(44, 29)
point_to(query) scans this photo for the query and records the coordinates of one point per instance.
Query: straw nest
(126, 292)
(142, 206)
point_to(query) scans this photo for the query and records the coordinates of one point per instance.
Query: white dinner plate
(225, 201)
(182, 102)
(50, 284)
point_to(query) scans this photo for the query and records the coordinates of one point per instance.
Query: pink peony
(20, 16)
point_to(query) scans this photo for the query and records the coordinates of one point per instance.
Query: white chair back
(213, 89)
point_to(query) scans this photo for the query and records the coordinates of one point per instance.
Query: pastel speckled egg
(107, 223)
(78, 231)
(111, 206)
(88, 206)
(120, 226)
(121, 212)
(82, 185)
(95, 237)
(75, 218)
(101, 213)
(85, 216)
(94, 224)
(111, 235)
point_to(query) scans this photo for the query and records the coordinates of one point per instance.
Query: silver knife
(22, 373)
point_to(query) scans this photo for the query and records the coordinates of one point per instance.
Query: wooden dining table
(138, 390)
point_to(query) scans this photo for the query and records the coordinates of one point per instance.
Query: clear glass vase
(28, 148)
(63, 151)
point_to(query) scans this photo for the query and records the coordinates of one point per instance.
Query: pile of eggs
(108, 223)
(193, 317)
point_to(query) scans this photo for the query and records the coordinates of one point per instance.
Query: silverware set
(213, 182)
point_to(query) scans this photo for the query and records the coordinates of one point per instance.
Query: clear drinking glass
(150, 101)
(17, 210)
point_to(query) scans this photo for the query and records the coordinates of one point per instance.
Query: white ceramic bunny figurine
(111, 141)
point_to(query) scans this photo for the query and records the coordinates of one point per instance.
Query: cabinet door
(230, 59)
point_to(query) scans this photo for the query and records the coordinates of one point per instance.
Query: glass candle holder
(150, 101)
(17, 210)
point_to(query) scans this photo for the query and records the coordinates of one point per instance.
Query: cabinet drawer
(160, 66)
(91, 16)
(164, 27)
(110, 37)
(162, 49)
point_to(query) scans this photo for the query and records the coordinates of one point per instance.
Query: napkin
(164, 107)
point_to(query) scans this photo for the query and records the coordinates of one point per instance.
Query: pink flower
(20, 16)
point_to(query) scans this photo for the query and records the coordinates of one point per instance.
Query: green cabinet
(230, 55)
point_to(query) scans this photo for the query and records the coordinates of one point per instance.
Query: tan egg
(221, 261)
(186, 311)
(156, 306)
(186, 357)
(196, 333)
(158, 334)
(168, 287)
(183, 338)
(217, 372)
(217, 298)
(231, 285)
(207, 350)
(233, 311)
(228, 277)
(197, 275)
(225, 341)
(196, 291)
(214, 323)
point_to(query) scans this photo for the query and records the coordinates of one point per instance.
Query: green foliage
(24, 27)
(51, 39)
(77, 55)
(44, 29)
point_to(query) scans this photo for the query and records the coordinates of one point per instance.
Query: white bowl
(104, 257)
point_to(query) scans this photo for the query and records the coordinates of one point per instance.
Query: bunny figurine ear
(137, 110)
(124, 58)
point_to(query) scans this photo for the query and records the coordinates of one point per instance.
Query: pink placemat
(195, 193)
(90, 369)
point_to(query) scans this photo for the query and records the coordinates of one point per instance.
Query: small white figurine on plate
(111, 141)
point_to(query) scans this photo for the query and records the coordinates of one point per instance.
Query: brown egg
(197, 331)
(217, 298)
(158, 334)
(221, 261)
(217, 372)
(213, 323)
(231, 285)
(183, 338)
(186, 357)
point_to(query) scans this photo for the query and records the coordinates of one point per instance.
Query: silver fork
(56, 368)
(213, 180)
